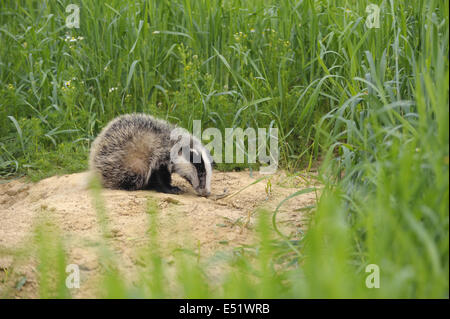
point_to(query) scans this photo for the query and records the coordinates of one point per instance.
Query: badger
(138, 151)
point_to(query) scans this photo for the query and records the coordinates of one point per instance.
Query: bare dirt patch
(186, 221)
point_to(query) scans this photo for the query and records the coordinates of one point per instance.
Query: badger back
(125, 151)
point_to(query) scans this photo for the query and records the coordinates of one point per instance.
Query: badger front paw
(172, 190)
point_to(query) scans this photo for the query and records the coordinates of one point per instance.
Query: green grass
(370, 104)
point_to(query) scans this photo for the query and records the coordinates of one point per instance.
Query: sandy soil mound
(184, 221)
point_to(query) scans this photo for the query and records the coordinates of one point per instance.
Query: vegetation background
(371, 104)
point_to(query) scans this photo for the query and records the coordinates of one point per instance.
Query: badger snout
(203, 192)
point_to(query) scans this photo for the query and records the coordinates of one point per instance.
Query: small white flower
(112, 89)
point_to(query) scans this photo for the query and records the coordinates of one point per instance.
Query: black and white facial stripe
(193, 162)
(202, 164)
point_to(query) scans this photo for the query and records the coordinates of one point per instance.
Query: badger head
(192, 161)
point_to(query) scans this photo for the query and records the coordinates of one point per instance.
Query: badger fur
(138, 151)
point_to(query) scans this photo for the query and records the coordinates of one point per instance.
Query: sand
(186, 221)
